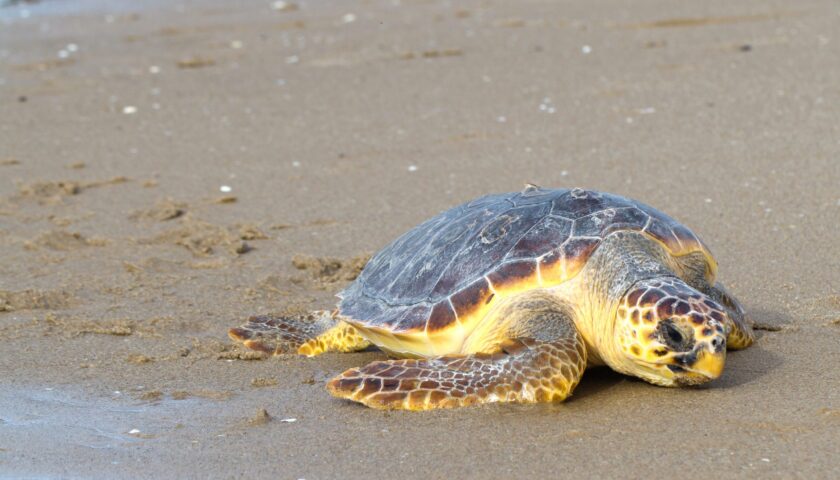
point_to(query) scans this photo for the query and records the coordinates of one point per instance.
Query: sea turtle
(508, 298)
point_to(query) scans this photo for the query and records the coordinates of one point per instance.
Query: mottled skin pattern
(508, 298)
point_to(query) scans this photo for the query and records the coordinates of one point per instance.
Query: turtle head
(670, 334)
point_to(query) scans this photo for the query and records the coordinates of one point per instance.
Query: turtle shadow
(597, 380)
(769, 321)
(748, 365)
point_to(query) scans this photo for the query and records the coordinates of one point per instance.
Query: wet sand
(167, 172)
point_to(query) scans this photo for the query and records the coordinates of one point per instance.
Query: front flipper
(524, 371)
(310, 334)
(740, 333)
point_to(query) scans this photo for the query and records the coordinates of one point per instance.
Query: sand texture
(168, 170)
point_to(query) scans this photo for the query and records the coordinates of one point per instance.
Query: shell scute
(511, 274)
(543, 237)
(411, 318)
(472, 297)
(604, 222)
(578, 202)
(442, 316)
(662, 232)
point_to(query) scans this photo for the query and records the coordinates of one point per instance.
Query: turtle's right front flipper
(525, 371)
(310, 334)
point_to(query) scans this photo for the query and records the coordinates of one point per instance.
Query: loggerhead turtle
(508, 298)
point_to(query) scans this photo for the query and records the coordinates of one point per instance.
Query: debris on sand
(7, 162)
(54, 191)
(61, 240)
(33, 300)
(50, 189)
(321, 222)
(118, 329)
(226, 199)
(248, 231)
(327, 270)
(208, 394)
(151, 396)
(166, 209)
(767, 327)
(261, 418)
(196, 62)
(202, 238)
(138, 359)
(451, 52)
(260, 382)
(236, 352)
(75, 327)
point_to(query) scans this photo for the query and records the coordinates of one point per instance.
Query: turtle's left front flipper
(309, 334)
(524, 371)
(739, 330)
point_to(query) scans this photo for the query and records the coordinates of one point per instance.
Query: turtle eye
(671, 335)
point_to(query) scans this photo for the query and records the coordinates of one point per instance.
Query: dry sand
(338, 126)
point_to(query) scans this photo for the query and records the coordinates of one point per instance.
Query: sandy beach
(168, 170)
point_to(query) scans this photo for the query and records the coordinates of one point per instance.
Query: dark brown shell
(461, 260)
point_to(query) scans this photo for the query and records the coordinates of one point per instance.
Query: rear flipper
(740, 333)
(525, 371)
(310, 334)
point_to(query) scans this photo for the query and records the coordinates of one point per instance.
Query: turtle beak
(708, 364)
(703, 364)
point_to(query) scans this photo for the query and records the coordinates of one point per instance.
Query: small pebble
(236, 44)
(289, 420)
(129, 110)
(225, 189)
(586, 49)
(348, 18)
(154, 69)
(501, 119)
(283, 6)
(133, 431)
(412, 168)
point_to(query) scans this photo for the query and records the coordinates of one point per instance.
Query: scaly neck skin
(623, 259)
